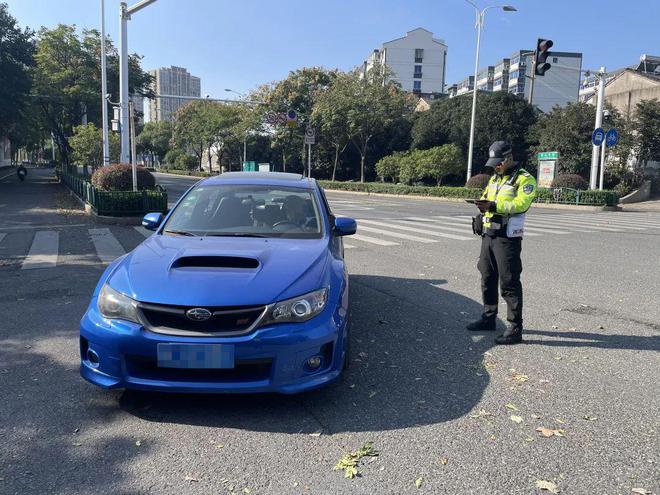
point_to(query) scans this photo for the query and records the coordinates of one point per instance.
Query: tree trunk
(334, 168)
(283, 162)
(361, 167)
(210, 167)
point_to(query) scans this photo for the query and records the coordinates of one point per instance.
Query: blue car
(242, 288)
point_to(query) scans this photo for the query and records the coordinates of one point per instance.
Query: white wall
(559, 85)
(400, 58)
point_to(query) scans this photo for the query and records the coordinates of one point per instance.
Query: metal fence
(116, 203)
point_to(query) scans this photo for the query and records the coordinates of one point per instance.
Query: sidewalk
(651, 205)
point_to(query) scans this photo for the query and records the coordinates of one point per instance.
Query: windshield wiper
(236, 234)
(180, 232)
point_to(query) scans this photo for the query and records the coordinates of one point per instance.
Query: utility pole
(104, 90)
(593, 176)
(602, 164)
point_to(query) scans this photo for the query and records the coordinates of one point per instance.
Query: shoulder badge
(528, 188)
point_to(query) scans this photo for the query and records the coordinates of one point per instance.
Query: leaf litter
(349, 462)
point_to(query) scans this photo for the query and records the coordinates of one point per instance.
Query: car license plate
(196, 356)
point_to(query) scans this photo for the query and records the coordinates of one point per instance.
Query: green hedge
(567, 196)
(193, 173)
(116, 203)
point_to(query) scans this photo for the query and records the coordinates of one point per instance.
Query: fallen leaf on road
(349, 462)
(590, 418)
(246, 490)
(138, 443)
(519, 377)
(481, 414)
(547, 485)
(548, 432)
(536, 416)
(372, 394)
(362, 354)
(76, 430)
(529, 439)
(191, 479)
(315, 434)
(76, 444)
(560, 421)
(641, 491)
(516, 419)
(511, 406)
(555, 327)
(557, 358)
(490, 365)
(444, 461)
(418, 482)
(492, 437)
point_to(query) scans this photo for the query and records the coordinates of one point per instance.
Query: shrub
(573, 181)
(479, 181)
(119, 177)
(388, 167)
(171, 156)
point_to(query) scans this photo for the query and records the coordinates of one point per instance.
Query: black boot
(482, 325)
(512, 335)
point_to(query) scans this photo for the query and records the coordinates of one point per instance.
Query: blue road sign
(598, 136)
(612, 138)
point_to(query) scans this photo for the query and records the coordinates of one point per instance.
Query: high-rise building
(417, 61)
(171, 82)
(558, 86)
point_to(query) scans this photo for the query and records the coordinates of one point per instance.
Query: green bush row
(193, 173)
(595, 198)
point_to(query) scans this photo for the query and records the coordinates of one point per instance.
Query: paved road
(432, 398)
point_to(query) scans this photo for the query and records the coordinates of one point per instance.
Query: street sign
(598, 136)
(611, 138)
(291, 118)
(547, 167)
(264, 167)
(310, 135)
(249, 166)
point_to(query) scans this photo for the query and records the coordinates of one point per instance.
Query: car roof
(266, 178)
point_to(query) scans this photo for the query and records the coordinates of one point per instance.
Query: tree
(67, 80)
(202, 126)
(298, 92)
(16, 58)
(568, 130)
(388, 167)
(87, 146)
(155, 139)
(500, 116)
(646, 125)
(440, 161)
(370, 105)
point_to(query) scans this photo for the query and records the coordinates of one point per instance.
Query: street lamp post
(480, 24)
(104, 90)
(593, 176)
(125, 13)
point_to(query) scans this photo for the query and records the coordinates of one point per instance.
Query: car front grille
(224, 321)
(246, 370)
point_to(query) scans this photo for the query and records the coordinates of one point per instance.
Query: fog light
(93, 358)
(314, 362)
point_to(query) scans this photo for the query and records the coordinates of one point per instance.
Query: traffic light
(542, 47)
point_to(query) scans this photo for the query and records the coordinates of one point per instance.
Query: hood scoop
(216, 262)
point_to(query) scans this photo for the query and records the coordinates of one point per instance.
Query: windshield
(246, 211)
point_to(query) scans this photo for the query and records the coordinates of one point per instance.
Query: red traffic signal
(540, 56)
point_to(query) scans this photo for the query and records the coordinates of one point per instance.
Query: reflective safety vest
(513, 195)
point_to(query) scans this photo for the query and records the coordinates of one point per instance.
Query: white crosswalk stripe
(528, 229)
(106, 244)
(348, 246)
(143, 231)
(2, 236)
(614, 221)
(397, 235)
(414, 229)
(43, 251)
(596, 227)
(373, 240)
(443, 225)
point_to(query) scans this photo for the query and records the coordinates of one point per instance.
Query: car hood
(160, 270)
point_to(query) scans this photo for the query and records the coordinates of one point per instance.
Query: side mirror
(345, 226)
(151, 221)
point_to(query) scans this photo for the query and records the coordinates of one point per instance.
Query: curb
(557, 206)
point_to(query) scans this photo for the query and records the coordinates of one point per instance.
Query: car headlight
(298, 309)
(116, 306)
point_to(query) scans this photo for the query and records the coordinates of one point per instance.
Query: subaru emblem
(198, 314)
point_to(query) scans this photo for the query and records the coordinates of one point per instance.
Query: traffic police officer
(503, 204)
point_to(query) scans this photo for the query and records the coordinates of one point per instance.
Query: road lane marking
(143, 231)
(37, 227)
(416, 230)
(348, 246)
(373, 240)
(107, 246)
(435, 224)
(2, 236)
(621, 222)
(396, 234)
(43, 251)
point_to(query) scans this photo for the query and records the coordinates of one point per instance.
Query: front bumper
(271, 359)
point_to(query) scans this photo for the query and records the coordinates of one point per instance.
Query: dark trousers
(500, 259)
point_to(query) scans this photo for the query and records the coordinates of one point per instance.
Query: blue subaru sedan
(242, 288)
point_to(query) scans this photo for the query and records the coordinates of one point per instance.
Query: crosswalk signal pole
(593, 176)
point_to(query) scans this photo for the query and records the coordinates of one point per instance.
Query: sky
(241, 44)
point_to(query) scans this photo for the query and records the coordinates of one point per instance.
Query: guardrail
(116, 203)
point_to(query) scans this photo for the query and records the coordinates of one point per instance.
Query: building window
(419, 55)
(418, 72)
(417, 86)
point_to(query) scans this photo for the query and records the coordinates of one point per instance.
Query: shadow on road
(596, 340)
(412, 363)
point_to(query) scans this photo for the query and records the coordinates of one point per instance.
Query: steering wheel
(286, 222)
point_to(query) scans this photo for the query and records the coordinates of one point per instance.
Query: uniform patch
(528, 188)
